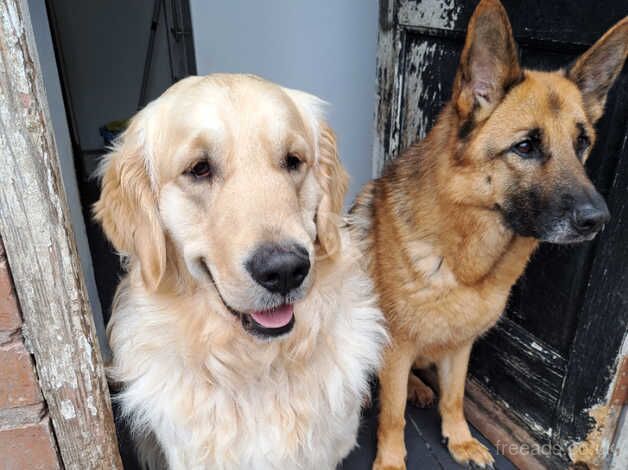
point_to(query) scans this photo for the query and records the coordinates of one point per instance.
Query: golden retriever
(244, 332)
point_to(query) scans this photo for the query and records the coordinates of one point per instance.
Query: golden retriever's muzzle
(280, 270)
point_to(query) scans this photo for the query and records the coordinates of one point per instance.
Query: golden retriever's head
(234, 180)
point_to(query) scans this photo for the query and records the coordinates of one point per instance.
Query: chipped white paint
(390, 137)
(39, 241)
(535, 426)
(415, 120)
(606, 444)
(538, 347)
(618, 445)
(67, 409)
(590, 450)
(387, 102)
(90, 406)
(437, 14)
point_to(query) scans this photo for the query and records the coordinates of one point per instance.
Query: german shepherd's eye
(524, 149)
(292, 162)
(200, 170)
(582, 143)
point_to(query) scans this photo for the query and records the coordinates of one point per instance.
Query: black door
(551, 359)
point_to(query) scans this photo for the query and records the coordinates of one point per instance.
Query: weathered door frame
(36, 229)
(397, 18)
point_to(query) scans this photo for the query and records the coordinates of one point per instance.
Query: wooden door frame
(36, 229)
(485, 411)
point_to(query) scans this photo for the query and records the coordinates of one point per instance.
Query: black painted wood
(553, 355)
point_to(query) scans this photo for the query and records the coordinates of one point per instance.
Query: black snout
(279, 268)
(589, 216)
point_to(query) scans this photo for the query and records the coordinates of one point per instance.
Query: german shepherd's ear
(595, 71)
(127, 208)
(489, 65)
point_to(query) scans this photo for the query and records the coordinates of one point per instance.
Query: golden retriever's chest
(224, 401)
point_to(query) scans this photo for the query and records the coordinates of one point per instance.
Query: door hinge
(620, 392)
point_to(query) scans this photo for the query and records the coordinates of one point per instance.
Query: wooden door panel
(428, 59)
(563, 23)
(520, 370)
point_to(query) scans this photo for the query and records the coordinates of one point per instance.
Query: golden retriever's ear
(333, 181)
(595, 71)
(127, 208)
(329, 172)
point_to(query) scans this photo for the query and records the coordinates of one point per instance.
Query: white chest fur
(216, 398)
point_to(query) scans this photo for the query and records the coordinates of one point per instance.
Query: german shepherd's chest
(422, 289)
(421, 294)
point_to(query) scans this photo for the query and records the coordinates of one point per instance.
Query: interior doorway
(113, 58)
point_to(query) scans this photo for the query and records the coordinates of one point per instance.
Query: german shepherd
(451, 224)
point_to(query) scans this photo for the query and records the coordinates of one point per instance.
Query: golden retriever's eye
(292, 162)
(201, 170)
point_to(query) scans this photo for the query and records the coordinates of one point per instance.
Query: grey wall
(50, 74)
(325, 47)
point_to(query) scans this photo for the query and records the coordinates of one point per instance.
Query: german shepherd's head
(523, 136)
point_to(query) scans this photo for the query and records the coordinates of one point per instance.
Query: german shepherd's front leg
(393, 392)
(452, 373)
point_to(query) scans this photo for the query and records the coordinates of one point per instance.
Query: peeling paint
(537, 346)
(589, 450)
(439, 14)
(90, 406)
(416, 120)
(36, 227)
(67, 409)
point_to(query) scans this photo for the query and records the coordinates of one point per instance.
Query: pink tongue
(275, 318)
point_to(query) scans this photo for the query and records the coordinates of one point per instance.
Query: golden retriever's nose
(279, 268)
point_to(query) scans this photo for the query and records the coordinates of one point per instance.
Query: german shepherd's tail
(359, 222)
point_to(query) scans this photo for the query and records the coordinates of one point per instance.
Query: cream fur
(218, 398)
(198, 390)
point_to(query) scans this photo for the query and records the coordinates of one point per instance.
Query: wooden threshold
(511, 440)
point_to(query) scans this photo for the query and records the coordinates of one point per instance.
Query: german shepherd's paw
(471, 452)
(379, 464)
(420, 394)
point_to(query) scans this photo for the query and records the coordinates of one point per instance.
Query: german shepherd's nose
(589, 216)
(279, 268)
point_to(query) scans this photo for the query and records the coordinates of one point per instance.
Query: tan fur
(197, 388)
(433, 229)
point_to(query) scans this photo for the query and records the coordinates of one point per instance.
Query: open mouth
(270, 323)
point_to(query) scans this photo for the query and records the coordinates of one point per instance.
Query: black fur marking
(508, 87)
(554, 102)
(467, 127)
(469, 124)
(583, 141)
(522, 212)
(440, 264)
